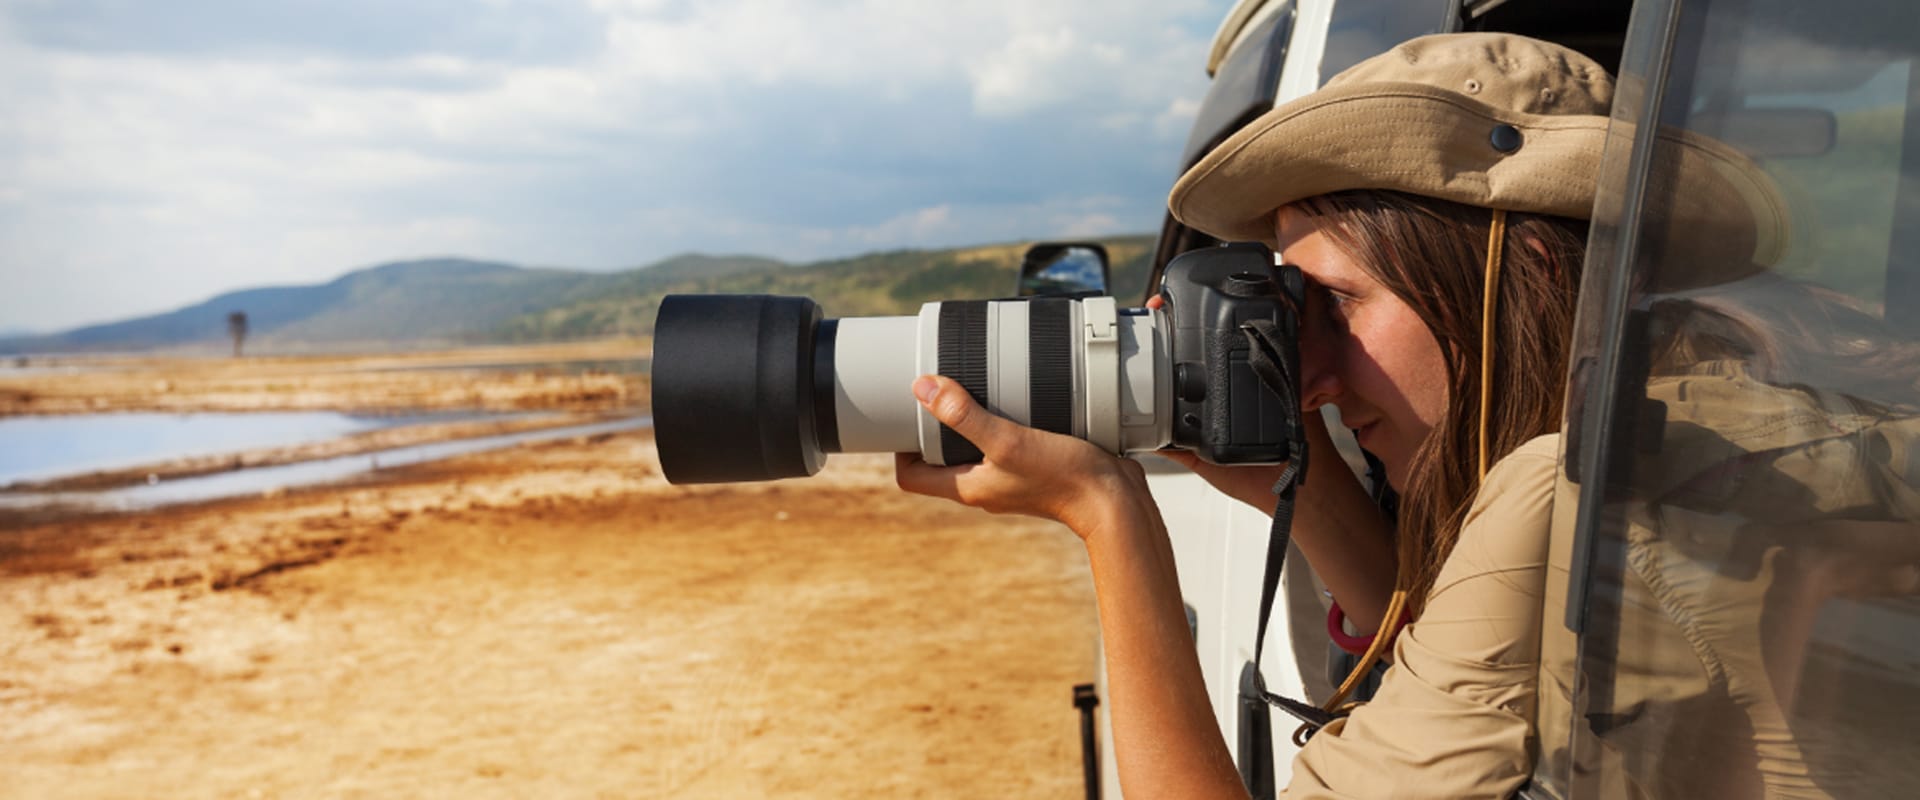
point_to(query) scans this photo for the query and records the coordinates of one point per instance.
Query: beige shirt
(1453, 715)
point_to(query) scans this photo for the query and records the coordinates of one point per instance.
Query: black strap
(1274, 359)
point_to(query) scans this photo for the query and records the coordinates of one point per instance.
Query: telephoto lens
(761, 387)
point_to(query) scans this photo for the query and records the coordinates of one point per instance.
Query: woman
(1431, 195)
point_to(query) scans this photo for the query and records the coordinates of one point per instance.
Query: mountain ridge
(457, 300)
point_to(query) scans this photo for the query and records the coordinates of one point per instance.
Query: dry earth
(551, 620)
(395, 382)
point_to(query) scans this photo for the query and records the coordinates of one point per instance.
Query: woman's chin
(1395, 464)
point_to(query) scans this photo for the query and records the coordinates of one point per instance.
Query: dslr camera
(760, 387)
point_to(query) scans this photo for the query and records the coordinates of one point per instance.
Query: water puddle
(38, 448)
(307, 473)
(26, 370)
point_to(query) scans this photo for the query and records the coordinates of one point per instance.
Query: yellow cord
(1396, 606)
(1490, 294)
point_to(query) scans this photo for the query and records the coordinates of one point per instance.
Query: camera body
(1221, 410)
(759, 387)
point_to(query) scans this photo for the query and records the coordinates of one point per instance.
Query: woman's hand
(1163, 726)
(1025, 470)
(1252, 485)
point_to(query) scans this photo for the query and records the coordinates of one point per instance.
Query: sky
(153, 154)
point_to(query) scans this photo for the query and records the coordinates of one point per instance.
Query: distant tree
(237, 328)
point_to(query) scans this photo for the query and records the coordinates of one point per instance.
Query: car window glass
(1750, 624)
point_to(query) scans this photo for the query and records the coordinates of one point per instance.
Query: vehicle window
(1744, 429)
(1244, 85)
(1359, 31)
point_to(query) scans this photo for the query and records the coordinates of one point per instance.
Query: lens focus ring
(1050, 364)
(963, 357)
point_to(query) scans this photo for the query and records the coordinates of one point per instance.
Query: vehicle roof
(1240, 20)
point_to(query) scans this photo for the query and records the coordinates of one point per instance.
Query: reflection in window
(1754, 627)
(1843, 198)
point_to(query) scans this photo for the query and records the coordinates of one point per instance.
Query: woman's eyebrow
(1333, 283)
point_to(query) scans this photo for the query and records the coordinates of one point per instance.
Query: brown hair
(1432, 255)
(1786, 332)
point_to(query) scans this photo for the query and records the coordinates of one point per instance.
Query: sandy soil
(451, 379)
(548, 621)
(551, 620)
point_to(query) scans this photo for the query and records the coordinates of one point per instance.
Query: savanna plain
(550, 619)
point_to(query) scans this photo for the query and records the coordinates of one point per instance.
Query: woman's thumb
(950, 403)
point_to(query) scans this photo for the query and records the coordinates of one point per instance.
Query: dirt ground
(468, 378)
(552, 620)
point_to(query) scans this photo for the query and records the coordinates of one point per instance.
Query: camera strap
(1274, 359)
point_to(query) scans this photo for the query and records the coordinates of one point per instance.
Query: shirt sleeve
(1453, 715)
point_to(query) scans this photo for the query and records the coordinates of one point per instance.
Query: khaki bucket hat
(1498, 121)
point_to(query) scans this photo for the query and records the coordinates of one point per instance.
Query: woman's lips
(1365, 431)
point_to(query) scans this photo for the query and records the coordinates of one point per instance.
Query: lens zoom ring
(1050, 364)
(963, 357)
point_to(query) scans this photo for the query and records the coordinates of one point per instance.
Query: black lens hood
(733, 388)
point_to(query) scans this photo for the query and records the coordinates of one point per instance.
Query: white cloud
(1031, 70)
(918, 225)
(1174, 120)
(197, 162)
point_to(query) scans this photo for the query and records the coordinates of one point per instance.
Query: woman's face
(1363, 349)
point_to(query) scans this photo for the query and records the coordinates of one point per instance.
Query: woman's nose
(1319, 375)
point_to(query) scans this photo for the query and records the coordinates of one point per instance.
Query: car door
(1266, 52)
(1733, 610)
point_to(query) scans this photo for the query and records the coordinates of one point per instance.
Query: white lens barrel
(875, 362)
(1127, 377)
(1146, 380)
(1119, 361)
(1100, 388)
(1007, 364)
(927, 362)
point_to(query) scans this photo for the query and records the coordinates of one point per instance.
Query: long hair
(1786, 332)
(1432, 255)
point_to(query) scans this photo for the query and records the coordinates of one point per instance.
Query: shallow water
(617, 366)
(38, 448)
(12, 370)
(307, 473)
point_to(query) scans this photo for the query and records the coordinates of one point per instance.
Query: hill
(887, 283)
(449, 300)
(444, 300)
(440, 299)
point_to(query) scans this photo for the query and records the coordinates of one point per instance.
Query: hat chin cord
(1489, 306)
(1394, 618)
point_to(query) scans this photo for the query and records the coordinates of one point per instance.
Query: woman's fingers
(915, 475)
(1182, 457)
(1023, 471)
(950, 403)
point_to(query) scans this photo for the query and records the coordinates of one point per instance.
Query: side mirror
(1076, 269)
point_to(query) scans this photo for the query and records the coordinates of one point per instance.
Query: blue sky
(156, 153)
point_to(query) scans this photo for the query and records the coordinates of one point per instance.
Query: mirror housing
(1064, 269)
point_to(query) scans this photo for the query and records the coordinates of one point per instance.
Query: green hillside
(443, 300)
(876, 284)
(449, 300)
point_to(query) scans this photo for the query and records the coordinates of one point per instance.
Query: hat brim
(1423, 140)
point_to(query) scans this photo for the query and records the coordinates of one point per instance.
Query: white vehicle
(1826, 97)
